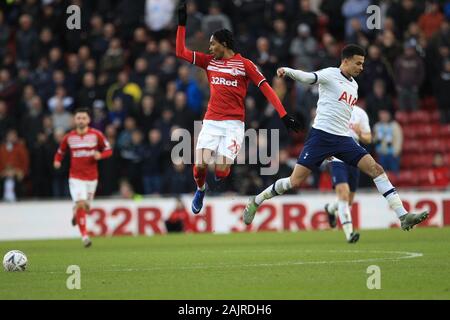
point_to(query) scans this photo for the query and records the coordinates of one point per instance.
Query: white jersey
(337, 96)
(359, 117)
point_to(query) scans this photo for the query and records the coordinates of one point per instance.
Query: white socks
(388, 191)
(279, 187)
(345, 218)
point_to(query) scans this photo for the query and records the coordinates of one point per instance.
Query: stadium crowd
(121, 64)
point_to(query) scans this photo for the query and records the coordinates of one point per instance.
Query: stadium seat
(402, 117)
(420, 116)
(444, 130)
(407, 178)
(435, 116)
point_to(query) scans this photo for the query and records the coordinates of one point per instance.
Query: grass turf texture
(298, 265)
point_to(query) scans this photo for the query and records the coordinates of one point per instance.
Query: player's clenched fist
(57, 165)
(97, 155)
(182, 14)
(280, 72)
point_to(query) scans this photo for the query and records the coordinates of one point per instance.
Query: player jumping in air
(86, 146)
(346, 177)
(228, 74)
(338, 93)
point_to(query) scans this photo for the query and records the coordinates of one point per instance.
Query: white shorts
(224, 137)
(82, 190)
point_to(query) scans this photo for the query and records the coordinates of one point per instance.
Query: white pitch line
(404, 255)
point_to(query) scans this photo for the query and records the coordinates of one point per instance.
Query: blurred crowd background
(121, 64)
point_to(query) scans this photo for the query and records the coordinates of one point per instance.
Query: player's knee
(82, 205)
(376, 170)
(343, 192)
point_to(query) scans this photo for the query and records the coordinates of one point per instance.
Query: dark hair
(82, 110)
(352, 50)
(225, 36)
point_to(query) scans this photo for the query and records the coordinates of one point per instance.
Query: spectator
(27, 42)
(138, 45)
(40, 167)
(46, 42)
(151, 164)
(191, 89)
(307, 16)
(124, 140)
(264, 57)
(158, 16)
(117, 113)
(8, 90)
(388, 138)
(377, 100)
(14, 166)
(215, 20)
(88, 92)
(409, 74)
(60, 98)
(61, 118)
(114, 58)
(178, 179)
(108, 182)
(183, 117)
(390, 49)
(303, 48)
(152, 88)
(194, 23)
(6, 122)
(99, 119)
(332, 10)
(132, 157)
(148, 113)
(5, 33)
(31, 123)
(140, 72)
(280, 40)
(59, 185)
(375, 67)
(405, 13)
(354, 9)
(179, 219)
(440, 174)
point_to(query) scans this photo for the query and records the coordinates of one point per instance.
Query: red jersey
(228, 82)
(83, 165)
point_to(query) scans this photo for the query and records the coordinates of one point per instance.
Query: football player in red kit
(229, 75)
(86, 146)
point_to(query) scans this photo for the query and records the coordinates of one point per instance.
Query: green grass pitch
(297, 265)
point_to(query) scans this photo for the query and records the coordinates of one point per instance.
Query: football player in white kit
(346, 178)
(338, 93)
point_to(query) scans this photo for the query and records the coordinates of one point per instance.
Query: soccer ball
(15, 260)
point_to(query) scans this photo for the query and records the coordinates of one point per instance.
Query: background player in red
(86, 146)
(222, 133)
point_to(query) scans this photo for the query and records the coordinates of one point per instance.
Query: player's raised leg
(279, 187)
(202, 159)
(222, 168)
(408, 220)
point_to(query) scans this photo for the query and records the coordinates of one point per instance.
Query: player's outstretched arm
(289, 121)
(59, 155)
(181, 50)
(298, 75)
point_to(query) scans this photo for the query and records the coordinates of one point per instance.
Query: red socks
(199, 176)
(222, 174)
(81, 221)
